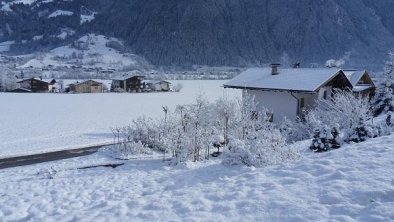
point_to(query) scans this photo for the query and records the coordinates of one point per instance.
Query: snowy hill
(90, 51)
(353, 183)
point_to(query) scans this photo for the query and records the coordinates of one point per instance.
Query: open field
(35, 123)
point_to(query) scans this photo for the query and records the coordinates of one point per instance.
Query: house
(128, 83)
(158, 85)
(88, 86)
(37, 85)
(288, 92)
(361, 81)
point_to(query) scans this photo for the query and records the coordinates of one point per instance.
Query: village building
(88, 86)
(128, 83)
(287, 93)
(36, 85)
(157, 85)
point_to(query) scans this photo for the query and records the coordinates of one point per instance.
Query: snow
(35, 123)
(87, 18)
(5, 46)
(301, 79)
(6, 6)
(65, 33)
(60, 13)
(38, 37)
(353, 183)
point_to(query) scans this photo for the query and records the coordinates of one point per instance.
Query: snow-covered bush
(325, 138)
(384, 98)
(266, 147)
(118, 90)
(258, 143)
(193, 132)
(296, 130)
(127, 150)
(177, 87)
(362, 132)
(351, 114)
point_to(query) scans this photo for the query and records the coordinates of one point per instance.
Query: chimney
(275, 68)
(297, 65)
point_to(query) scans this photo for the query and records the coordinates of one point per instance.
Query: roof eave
(269, 89)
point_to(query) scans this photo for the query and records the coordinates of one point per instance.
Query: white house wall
(281, 104)
(328, 89)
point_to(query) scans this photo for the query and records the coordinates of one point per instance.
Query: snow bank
(354, 183)
(60, 13)
(87, 18)
(5, 46)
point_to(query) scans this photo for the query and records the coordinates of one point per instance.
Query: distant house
(158, 85)
(128, 83)
(361, 82)
(37, 85)
(288, 92)
(88, 86)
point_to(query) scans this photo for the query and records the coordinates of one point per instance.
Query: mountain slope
(217, 32)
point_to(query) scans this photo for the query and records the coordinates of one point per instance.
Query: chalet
(158, 85)
(288, 92)
(88, 86)
(37, 85)
(361, 81)
(128, 83)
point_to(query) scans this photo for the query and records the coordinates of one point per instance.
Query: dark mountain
(217, 32)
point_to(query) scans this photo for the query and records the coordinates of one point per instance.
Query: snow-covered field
(353, 183)
(35, 123)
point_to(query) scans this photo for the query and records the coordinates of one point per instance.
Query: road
(46, 157)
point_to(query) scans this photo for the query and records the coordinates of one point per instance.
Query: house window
(270, 117)
(254, 115)
(302, 103)
(325, 94)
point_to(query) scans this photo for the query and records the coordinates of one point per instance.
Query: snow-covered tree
(225, 114)
(325, 138)
(384, 98)
(177, 87)
(258, 142)
(7, 82)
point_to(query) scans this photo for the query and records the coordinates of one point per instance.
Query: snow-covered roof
(295, 79)
(129, 75)
(360, 88)
(39, 79)
(155, 81)
(78, 82)
(354, 75)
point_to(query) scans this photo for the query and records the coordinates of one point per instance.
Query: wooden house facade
(88, 86)
(37, 85)
(128, 84)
